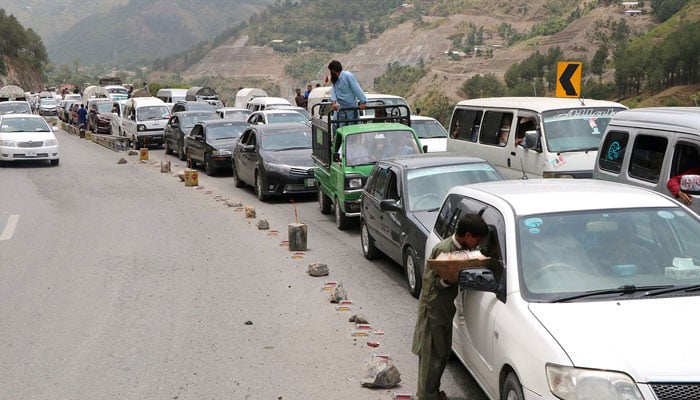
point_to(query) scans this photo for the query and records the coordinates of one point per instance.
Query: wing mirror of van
(530, 140)
(425, 148)
(336, 157)
(690, 184)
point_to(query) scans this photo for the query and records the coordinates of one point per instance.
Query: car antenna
(522, 168)
(582, 101)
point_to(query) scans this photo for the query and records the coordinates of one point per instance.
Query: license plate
(310, 182)
(30, 153)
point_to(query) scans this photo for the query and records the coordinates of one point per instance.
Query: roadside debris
(263, 225)
(122, 161)
(249, 211)
(338, 293)
(381, 373)
(359, 319)
(317, 269)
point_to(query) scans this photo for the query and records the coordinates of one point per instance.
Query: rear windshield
(576, 129)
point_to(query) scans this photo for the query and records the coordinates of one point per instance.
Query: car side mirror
(481, 279)
(530, 140)
(336, 157)
(389, 205)
(175, 125)
(249, 148)
(425, 148)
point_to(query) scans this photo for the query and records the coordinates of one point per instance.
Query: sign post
(569, 79)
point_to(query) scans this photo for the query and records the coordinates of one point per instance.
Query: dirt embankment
(20, 75)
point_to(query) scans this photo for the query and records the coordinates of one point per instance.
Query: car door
(372, 196)
(171, 133)
(475, 323)
(248, 157)
(195, 144)
(390, 220)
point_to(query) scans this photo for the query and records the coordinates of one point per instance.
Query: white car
(596, 296)
(26, 137)
(430, 132)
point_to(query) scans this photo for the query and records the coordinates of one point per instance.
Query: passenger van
(664, 142)
(171, 95)
(260, 103)
(532, 136)
(143, 121)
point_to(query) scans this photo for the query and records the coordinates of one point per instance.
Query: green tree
(483, 86)
(598, 61)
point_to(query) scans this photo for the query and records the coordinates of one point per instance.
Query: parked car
(99, 115)
(63, 110)
(15, 107)
(179, 126)
(192, 106)
(275, 159)
(276, 116)
(238, 114)
(73, 116)
(298, 109)
(26, 137)
(48, 106)
(430, 132)
(211, 143)
(401, 200)
(594, 274)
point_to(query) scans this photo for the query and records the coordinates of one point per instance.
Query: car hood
(434, 144)
(294, 158)
(651, 339)
(27, 136)
(426, 220)
(105, 115)
(222, 143)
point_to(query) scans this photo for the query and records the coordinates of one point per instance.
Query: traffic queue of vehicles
(592, 282)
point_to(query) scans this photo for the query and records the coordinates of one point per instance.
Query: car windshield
(227, 131)
(426, 187)
(288, 140)
(428, 129)
(585, 255)
(24, 125)
(118, 90)
(369, 113)
(578, 129)
(291, 116)
(370, 147)
(104, 107)
(152, 112)
(14, 108)
(201, 107)
(47, 102)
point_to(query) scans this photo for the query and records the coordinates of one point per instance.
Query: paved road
(118, 282)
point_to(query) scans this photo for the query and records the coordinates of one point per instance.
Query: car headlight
(51, 142)
(140, 127)
(221, 152)
(570, 383)
(355, 183)
(279, 168)
(8, 143)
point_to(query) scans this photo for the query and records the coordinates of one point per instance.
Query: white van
(244, 95)
(648, 146)
(537, 137)
(171, 95)
(143, 121)
(117, 92)
(260, 103)
(117, 116)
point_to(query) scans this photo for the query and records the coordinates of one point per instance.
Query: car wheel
(168, 149)
(324, 203)
(368, 250)
(181, 152)
(512, 389)
(237, 182)
(208, 167)
(413, 274)
(341, 221)
(259, 187)
(135, 143)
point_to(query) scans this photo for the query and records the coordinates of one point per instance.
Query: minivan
(664, 142)
(143, 121)
(537, 137)
(260, 103)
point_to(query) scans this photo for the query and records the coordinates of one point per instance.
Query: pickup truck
(345, 151)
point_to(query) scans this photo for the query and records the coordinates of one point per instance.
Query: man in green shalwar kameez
(432, 339)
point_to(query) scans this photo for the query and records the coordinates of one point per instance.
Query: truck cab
(345, 151)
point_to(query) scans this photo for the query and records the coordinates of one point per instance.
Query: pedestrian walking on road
(345, 93)
(432, 339)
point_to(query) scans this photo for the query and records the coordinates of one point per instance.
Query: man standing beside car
(432, 339)
(345, 93)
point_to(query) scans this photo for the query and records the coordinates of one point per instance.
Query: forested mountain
(22, 54)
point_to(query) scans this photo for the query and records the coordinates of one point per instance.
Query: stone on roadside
(181, 175)
(263, 225)
(132, 153)
(122, 161)
(359, 319)
(249, 211)
(381, 373)
(235, 204)
(338, 293)
(317, 269)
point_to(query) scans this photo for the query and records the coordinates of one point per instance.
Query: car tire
(512, 389)
(368, 249)
(237, 182)
(168, 149)
(324, 203)
(181, 152)
(208, 167)
(135, 143)
(341, 221)
(259, 187)
(414, 278)
(54, 162)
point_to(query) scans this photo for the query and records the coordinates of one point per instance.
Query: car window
(612, 152)
(289, 140)
(428, 129)
(465, 124)
(685, 156)
(647, 157)
(24, 125)
(228, 131)
(493, 124)
(453, 208)
(381, 181)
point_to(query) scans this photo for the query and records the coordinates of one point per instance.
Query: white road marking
(10, 227)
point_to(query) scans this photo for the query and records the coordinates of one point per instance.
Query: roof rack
(382, 113)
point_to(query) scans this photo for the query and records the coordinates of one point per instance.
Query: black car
(275, 159)
(178, 126)
(183, 105)
(400, 203)
(211, 143)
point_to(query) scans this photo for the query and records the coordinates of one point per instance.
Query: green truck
(344, 155)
